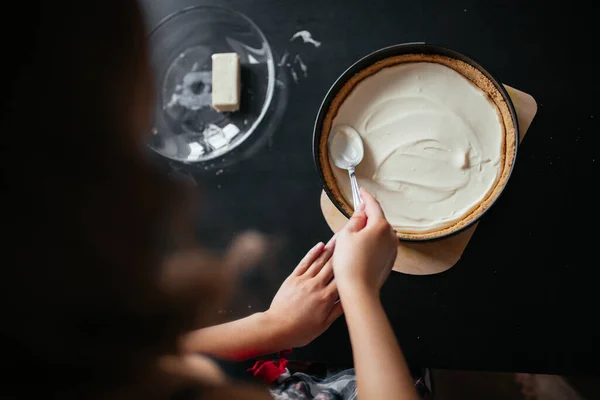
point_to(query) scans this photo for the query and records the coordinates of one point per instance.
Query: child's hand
(305, 305)
(366, 249)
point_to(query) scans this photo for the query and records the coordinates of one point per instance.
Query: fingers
(323, 258)
(326, 274)
(335, 313)
(372, 207)
(375, 215)
(358, 220)
(308, 259)
(316, 258)
(331, 290)
(331, 242)
(368, 212)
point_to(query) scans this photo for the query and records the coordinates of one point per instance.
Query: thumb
(372, 207)
(358, 220)
(335, 313)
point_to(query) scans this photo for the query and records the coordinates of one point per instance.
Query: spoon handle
(356, 199)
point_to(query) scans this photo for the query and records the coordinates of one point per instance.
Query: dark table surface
(524, 295)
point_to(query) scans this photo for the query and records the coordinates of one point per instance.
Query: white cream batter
(433, 144)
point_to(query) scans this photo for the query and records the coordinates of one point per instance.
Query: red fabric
(269, 371)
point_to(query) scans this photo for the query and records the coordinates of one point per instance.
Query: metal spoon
(346, 151)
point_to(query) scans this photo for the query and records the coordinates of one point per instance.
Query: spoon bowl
(346, 150)
(345, 147)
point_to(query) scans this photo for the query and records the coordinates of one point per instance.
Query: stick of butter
(226, 82)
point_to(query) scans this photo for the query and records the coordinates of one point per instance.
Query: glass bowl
(186, 128)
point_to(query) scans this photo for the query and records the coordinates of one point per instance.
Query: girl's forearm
(249, 337)
(381, 370)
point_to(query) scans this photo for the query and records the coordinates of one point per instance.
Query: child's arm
(365, 252)
(303, 308)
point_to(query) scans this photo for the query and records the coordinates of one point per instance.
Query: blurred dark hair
(86, 214)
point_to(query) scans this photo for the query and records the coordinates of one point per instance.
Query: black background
(524, 295)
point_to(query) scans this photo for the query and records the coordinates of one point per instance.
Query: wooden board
(434, 257)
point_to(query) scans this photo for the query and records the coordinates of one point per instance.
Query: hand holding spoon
(346, 151)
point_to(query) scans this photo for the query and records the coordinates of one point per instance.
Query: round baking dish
(379, 60)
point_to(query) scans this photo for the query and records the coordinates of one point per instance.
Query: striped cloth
(338, 386)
